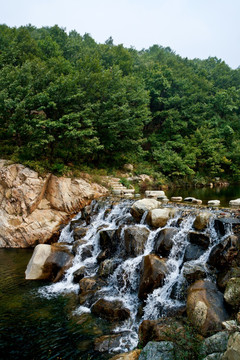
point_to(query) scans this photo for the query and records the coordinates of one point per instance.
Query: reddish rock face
(32, 208)
(205, 307)
(152, 274)
(110, 310)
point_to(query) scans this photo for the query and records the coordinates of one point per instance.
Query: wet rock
(86, 252)
(215, 344)
(199, 239)
(88, 287)
(77, 244)
(205, 307)
(232, 292)
(159, 217)
(202, 220)
(110, 310)
(152, 273)
(222, 225)
(79, 233)
(226, 253)
(163, 350)
(193, 252)
(233, 348)
(135, 238)
(140, 206)
(106, 343)
(77, 223)
(109, 241)
(78, 274)
(163, 241)
(193, 272)
(131, 355)
(224, 276)
(107, 267)
(159, 330)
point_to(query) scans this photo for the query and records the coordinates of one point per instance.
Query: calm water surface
(36, 328)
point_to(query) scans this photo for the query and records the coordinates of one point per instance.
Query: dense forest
(67, 101)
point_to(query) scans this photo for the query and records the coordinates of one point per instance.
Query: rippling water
(36, 328)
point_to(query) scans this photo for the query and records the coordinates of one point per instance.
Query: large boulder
(33, 208)
(202, 220)
(141, 206)
(205, 307)
(225, 275)
(163, 350)
(193, 252)
(235, 202)
(109, 241)
(199, 239)
(232, 293)
(159, 217)
(110, 310)
(225, 254)
(135, 238)
(163, 241)
(193, 272)
(152, 273)
(215, 344)
(48, 262)
(88, 288)
(131, 355)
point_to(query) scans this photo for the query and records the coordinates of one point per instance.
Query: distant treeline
(66, 100)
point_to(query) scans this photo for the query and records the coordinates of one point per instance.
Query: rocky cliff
(32, 208)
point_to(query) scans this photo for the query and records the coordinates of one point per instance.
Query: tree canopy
(66, 99)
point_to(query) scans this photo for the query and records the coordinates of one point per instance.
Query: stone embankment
(33, 208)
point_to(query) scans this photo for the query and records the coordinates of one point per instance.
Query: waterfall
(123, 283)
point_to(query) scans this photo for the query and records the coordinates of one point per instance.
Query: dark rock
(163, 241)
(88, 287)
(205, 307)
(58, 262)
(224, 276)
(152, 273)
(103, 255)
(193, 252)
(163, 350)
(135, 238)
(107, 267)
(199, 239)
(109, 241)
(226, 253)
(222, 225)
(216, 343)
(110, 310)
(193, 272)
(106, 343)
(78, 274)
(86, 252)
(159, 330)
(77, 223)
(232, 293)
(79, 232)
(76, 245)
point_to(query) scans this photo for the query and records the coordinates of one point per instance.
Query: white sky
(192, 28)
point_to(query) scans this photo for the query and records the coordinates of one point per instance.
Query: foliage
(64, 99)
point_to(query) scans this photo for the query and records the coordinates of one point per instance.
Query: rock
(88, 287)
(163, 350)
(226, 253)
(131, 355)
(128, 167)
(79, 233)
(159, 330)
(107, 267)
(33, 208)
(202, 220)
(214, 202)
(234, 202)
(155, 193)
(35, 266)
(106, 343)
(233, 348)
(110, 310)
(193, 272)
(199, 239)
(176, 198)
(86, 251)
(77, 223)
(205, 307)
(225, 275)
(152, 273)
(231, 325)
(76, 245)
(221, 225)
(214, 356)
(109, 241)
(216, 343)
(193, 200)
(163, 241)
(159, 217)
(141, 206)
(79, 274)
(193, 252)
(135, 238)
(232, 292)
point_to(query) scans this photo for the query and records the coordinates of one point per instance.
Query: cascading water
(123, 283)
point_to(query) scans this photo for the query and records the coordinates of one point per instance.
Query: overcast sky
(192, 28)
